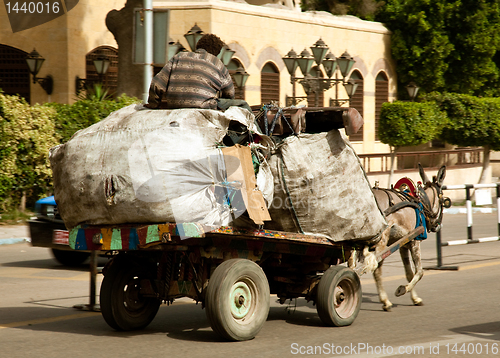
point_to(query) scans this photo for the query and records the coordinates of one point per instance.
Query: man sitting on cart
(195, 80)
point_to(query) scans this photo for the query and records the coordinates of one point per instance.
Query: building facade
(66, 43)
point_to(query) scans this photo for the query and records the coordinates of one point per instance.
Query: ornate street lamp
(240, 77)
(193, 35)
(174, 48)
(350, 88)
(345, 63)
(226, 54)
(322, 56)
(412, 89)
(319, 50)
(101, 64)
(330, 64)
(35, 62)
(290, 61)
(305, 62)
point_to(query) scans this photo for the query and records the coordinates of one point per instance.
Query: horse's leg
(412, 278)
(377, 275)
(405, 257)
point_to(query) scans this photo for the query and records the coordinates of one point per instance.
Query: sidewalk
(13, 234)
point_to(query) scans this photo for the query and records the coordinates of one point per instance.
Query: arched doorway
(357, 102)
(110, 79)
(14, 72)
(381, 96)
(269, 84)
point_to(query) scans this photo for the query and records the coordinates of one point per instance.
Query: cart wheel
(237, 299)
(339, 296)
(122, 305)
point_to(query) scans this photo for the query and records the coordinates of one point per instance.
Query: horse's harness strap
(401, 205)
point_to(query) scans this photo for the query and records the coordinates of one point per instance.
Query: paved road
(461, 315)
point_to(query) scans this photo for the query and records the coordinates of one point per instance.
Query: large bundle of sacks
(215, 168)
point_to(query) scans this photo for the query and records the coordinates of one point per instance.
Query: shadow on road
(490, 330)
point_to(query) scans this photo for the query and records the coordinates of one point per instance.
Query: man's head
(210, 43)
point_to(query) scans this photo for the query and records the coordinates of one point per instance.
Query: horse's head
(431, 197)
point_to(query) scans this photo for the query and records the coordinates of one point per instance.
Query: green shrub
(82, 114)
(473, 121)
(26, 135)
(28, 132)
(410, 123)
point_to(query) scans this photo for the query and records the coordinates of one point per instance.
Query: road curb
(15, 240)
(474, 210)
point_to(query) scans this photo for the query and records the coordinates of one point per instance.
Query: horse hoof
(387, 309)
(418, 303)
(400, 291)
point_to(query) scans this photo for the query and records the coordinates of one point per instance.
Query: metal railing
(469, 240)
(380, 163)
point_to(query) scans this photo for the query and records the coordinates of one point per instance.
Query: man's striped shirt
(191, 80)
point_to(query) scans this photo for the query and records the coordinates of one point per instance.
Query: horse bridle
(433, 220)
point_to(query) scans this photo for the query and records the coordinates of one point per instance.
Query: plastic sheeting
(146, 166)
(321, 187)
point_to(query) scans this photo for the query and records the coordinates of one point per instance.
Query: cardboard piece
(239, 168)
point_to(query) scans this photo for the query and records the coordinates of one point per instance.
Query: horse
(402, 211)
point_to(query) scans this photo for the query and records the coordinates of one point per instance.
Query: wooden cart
(231, 271)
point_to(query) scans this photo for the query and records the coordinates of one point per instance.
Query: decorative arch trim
(270, 54)
(383, 65)
(241, 54)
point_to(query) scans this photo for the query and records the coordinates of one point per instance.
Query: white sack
(327, 185)
(145, 166)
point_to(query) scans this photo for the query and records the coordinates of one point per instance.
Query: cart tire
(122, 305)
(339, 296)
(70, 258)
(237, 299)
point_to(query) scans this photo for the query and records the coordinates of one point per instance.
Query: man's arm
(227, 88)
(158, 86)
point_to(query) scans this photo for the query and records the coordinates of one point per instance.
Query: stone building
(259, 32)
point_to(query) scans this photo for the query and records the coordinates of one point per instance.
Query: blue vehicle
(48, 230)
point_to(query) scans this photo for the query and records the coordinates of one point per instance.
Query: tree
(404, 124)
(420, 43)
(445, 45)
(121, 24)
(472, 122)
(474, 30)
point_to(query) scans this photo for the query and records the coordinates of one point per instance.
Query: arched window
(110, 79)
(357, 102)
(311, 96)
(381, 96)
(269, 84)
(239, 93)
(14, 72)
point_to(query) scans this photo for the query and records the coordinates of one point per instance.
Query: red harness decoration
(404, 184)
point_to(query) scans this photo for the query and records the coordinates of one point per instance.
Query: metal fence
(468, 205)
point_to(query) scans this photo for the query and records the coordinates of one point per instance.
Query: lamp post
(101, 64)
(412, 89)
(35, 62)
(240, 77)
(193, 35)
(326, 60)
